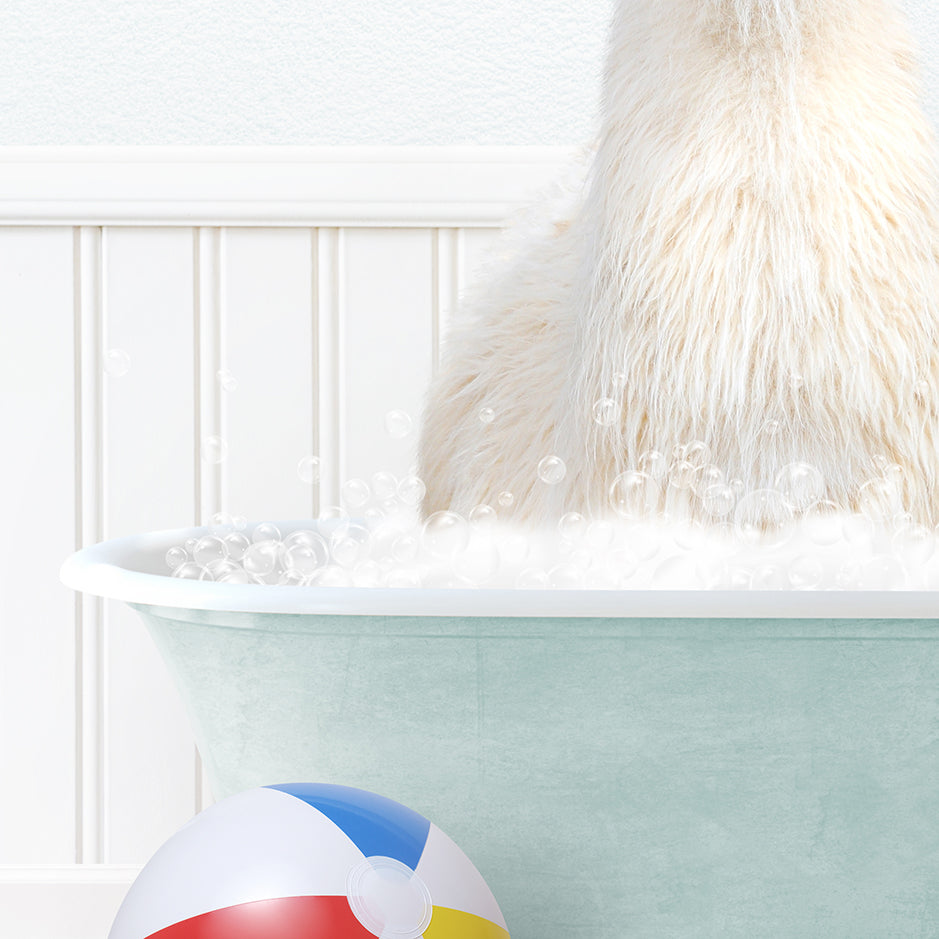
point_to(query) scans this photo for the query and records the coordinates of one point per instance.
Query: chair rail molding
(283, 186)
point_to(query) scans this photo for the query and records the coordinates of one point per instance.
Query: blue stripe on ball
(376, 825)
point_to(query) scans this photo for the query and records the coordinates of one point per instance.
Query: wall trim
(62, 902)
(46, 874)
(282, 186)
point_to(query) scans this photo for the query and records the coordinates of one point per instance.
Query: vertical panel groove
(329, 302)
(208, 419)
(448, 283)
(77, 443)
(196, 369)
(208, 355)
(91, 839)
(314, 361)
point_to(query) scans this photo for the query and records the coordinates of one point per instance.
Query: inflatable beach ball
(309, 861)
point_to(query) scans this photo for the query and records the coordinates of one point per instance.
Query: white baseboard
(318, 186)
(69, 902)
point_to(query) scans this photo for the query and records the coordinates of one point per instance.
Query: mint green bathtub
(617, 764)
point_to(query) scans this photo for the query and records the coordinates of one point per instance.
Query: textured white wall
(314, 72)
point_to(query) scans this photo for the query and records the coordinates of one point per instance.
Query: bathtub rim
(112, 569)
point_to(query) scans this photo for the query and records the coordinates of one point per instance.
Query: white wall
(311, 72)
(299, 71)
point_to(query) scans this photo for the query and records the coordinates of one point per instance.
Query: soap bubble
(805, 572)
(305, 536)
(175, 557)
(681, 475)
(697, 453)
(384, 485)
(307, 556)
(653, 464)
(239, 522)
(822, 521)
(221, 523)
(572, 527)
(209, 548)
(506, 499)
(769, 577)
(605, 412)
(266, 531)
(261, 557)
(237, 576)
(533, 578)
(801, 485)
(690, 535)
(227, 381)
(706, 476)
(290, 578)
(600, 534)
(894, 473)
(189, 544)
(634, 494)
(116, 363)
(719, 500)
(445, 534)
(411, 490)
(403, 579)
(551, 470)
(479, 561)
(858, 530)
(398, 424)
(850, 576)
(796, 381)
(621, 564)
(487, 415)
(566, 577)
(483, 516)
(879, 499)
(349, 544)
(214, 449)
(373, 515)
(308, 469)
(236, 544)
(901, 521)
(367, 575)
(914, 543)
(678, 571)
(405, 548)
(762, 517)
(770, 428)
(221, 567)
(514, 547)
(441, 578)
(884, 572)
(355, 493)
(733, 577)
(188, 571)
(331, 576)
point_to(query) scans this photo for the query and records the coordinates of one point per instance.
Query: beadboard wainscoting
(318, 283)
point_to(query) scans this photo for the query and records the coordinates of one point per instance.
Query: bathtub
(616, 763)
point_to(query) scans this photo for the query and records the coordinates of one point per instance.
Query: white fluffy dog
(753, 262)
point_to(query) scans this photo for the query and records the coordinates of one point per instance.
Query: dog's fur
(757, 241)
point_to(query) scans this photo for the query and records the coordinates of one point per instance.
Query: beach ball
(309, 861)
